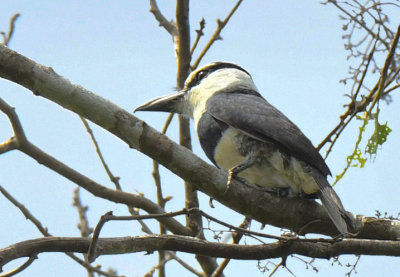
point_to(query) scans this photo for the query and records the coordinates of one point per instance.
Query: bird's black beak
(167, 103)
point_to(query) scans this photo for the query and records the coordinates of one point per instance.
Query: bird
(240, 131)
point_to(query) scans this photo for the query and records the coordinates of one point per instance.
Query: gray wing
(254, 116)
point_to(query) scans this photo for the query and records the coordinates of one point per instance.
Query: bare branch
(385, 68)
(168, 25)
(8, 36)
(391, 89)
(83, 225)
(8, 145)
(113, 178)
(199, 35)
(150, 243)
(160, 267)
(25, 211)
(184, 264)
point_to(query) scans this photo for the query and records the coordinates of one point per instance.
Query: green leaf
(356, 160)
(378, 138)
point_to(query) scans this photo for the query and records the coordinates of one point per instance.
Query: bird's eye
(201, 75)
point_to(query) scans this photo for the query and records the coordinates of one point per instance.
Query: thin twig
(8, 145)
(391, 89)
(160, 266)
(83, 224)
(199, 35)
(10, 33)
(25, 212)
(385, 68)
(95, 238)
(335, 3)
(216, 35)
(19, 133)
(236, 237)
(277, 266)
(353, 267)
(113, 178)
(83, 220)
(21, 268)
(168, 25)
(184, 264)
(341, 127)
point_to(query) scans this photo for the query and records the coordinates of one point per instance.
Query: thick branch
(150, 243)
(293, 214)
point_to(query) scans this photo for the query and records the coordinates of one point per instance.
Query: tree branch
(114, 179)
(168, 25)
(249, 200)
(150, 243)
(199, 35)
(7, 37)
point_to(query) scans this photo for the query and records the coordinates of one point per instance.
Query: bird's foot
(231, 175)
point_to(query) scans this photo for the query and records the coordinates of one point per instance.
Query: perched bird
(241, 132)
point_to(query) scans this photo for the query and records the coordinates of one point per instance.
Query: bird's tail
(342, 219)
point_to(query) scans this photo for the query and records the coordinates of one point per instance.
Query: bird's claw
(231, 175)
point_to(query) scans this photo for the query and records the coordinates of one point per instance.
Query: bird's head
(200, 86)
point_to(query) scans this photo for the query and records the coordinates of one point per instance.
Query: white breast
(272, 174)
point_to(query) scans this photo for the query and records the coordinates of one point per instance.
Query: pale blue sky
(295, 53)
